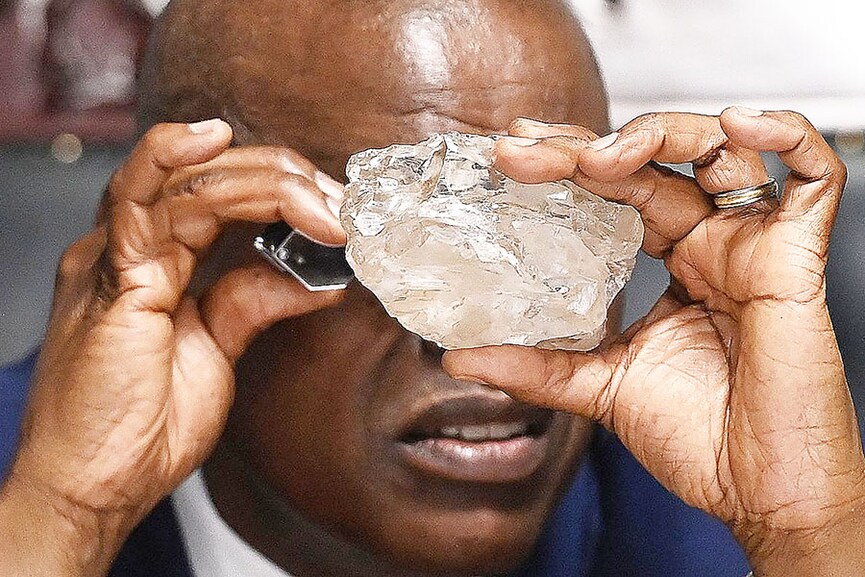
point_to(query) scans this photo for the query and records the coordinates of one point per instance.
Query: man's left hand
(731, 391)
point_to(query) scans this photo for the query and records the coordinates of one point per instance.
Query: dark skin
(136, 376)
(309, 469)
(335, 466)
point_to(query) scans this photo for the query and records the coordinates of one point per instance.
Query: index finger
(163, 148)
(670, 203)
(676, 137)
(669, 137)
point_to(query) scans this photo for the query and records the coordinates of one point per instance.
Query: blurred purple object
(69, 67)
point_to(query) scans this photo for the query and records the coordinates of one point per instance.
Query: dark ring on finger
(747, 195)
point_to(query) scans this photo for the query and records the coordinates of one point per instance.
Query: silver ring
(747, 195)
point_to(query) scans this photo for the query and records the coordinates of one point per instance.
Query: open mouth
(477, 439)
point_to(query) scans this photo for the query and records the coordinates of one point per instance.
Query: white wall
(701, 56)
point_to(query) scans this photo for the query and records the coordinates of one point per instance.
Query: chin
(471, 544)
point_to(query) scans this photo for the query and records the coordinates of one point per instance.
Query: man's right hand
(135, 378)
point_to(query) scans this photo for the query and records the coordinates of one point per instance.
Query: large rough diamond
(463, 256)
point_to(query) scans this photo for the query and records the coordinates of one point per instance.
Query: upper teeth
(492, 432)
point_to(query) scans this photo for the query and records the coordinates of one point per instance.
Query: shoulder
(19, 372)
(650, 532)
(14, 384)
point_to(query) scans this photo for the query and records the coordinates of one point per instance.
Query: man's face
(346, 414)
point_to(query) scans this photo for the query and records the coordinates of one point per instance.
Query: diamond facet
(466, 257)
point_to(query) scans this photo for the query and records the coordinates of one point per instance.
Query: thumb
(249, 299)
(578, 383)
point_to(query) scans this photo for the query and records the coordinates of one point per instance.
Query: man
(346, 449)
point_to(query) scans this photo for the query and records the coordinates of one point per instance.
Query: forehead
(400, 75)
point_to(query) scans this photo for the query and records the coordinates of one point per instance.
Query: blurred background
(67, 76)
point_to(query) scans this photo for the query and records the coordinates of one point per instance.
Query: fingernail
(205, 126)
(334, 205)
(329, 186)
(745, 111)
(520, 141)
(604, 141)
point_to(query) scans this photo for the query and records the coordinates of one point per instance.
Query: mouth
(480, 439)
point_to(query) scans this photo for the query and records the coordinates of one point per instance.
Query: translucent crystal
(465, 257)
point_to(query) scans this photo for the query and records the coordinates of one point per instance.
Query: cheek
(303, 390)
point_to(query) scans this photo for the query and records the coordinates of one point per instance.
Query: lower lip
(505, 461)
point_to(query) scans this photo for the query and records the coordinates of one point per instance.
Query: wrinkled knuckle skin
(153, 138)
(649, 120)
(200, 185)
(653, 128)
(798, 120)
(568, 145)
(71, 263)
(520, 126)
(838, 171)
(288, 185)
(106, 279)
(516, 126)
(115, 184)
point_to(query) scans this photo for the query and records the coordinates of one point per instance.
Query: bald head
(329, 78)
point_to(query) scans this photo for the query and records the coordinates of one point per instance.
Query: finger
(163, 148)
(201, 206)
(79, 259)
(676, 138)
(670, 203)
(578, 383)
(279, 159)
(248, 300)
(153, 250)
(211, 337)
(672, 137)
(528, 128)
(730, 168)
(817, 175)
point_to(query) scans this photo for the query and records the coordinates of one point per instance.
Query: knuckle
(652, 128)
(287, 160)
(158, 135)
(569, 146)
(839, 168)
(153, 138)
(288, 185)
(517, 126)
(115, 184)
(580, 132)
(81, 255)
(201, 185)
(798, 120)
(302, 164)
(520, 126)
(565, 143)
(70, 263)
(651, 122)
(649, 118)
(838, 171)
